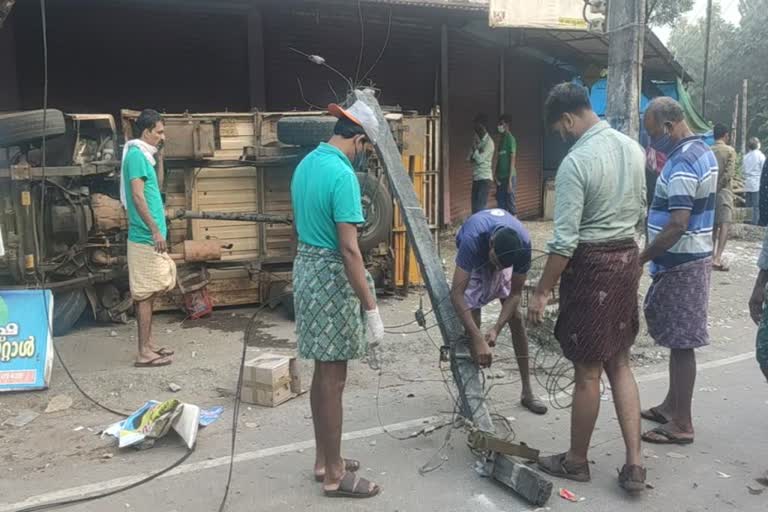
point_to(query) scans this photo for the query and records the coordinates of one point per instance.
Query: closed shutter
(473, 84)
(405, 74)
(524, 102)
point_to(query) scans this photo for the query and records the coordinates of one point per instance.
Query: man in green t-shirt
(506, 172)
(151, 271)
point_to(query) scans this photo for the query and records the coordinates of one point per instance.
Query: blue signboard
(26, 344)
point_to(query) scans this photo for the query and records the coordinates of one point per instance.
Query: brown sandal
(654, 415)
(632, 478)
(659, 435)
(353, 486)
(350, 465)
(556, 465)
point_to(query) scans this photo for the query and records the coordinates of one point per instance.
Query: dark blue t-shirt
(474, 239)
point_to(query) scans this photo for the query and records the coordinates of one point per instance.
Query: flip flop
(164, 351)
(665, 437)
(534, 405)
(350, 465)
(654, 415)
(353, 486)
(722, 267)
(153, 362)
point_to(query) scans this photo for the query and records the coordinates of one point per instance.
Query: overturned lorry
(225, 178)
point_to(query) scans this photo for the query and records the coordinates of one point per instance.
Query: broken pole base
(523, 480)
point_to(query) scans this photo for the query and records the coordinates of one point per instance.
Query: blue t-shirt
(688, 181)
(325, 192)
(474, 239)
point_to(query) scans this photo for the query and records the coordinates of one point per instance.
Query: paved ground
(53, 458)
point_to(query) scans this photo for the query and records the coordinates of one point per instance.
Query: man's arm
(757, 299)
(669, 236)
(510, 307)
(480, 350)
(553, 269)
(140, 203)
(353, 264)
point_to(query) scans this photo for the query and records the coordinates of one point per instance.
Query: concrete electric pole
(626, 39)
(744, 96)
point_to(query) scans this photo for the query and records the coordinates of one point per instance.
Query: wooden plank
(235, 172)
(206, 199)
(236, 128)
(225, 184)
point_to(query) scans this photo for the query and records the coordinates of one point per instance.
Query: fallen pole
(240, 217)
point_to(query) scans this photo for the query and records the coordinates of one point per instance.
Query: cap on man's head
(360, 114)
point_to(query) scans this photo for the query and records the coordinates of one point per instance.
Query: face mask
(360, 162)
(501, 128)
(663, 144)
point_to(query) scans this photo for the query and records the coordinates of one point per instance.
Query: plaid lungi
(762, 338)
(599, 313)
(149, 272)
(676, 305)
(330, 323)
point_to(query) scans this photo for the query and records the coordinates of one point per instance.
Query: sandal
(556, 465)
(152, 363)
(164, 351)
(535, 405)
(632, 478)
(353, 486)
(654, 415)
(350, 465)
(721, 267)
(662, 436)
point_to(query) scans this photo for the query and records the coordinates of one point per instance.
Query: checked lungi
(761, 351)
(599, 313)
(330, 323)
(676, 305)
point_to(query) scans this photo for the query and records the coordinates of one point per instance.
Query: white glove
(375, 326)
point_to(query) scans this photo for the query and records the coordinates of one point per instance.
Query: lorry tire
(305, 130)
(28, 126)
(378, 211)
(68, 307)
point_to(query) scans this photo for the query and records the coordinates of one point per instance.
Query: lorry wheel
(68, 307)
(28, 126)
(378, 212)
(305, 130)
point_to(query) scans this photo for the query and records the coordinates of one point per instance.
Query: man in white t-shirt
(753, 168)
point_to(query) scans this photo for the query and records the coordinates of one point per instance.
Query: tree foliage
(736, 53)
(666, 12)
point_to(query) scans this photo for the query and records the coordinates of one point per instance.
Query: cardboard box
(270, 380)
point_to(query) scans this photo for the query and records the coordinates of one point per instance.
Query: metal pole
(626, 38)
(706, 59)
(744, 97)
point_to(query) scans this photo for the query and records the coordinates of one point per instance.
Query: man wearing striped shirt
(680, 226)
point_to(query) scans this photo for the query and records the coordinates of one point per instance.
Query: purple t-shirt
(474, 239)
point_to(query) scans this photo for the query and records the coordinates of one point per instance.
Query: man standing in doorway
(506, 170)
(493, 260)
(754, 161)
(726, 163)
(333, 294)
(599, 202)
(481, 157)
(151, 271)
(680, 252)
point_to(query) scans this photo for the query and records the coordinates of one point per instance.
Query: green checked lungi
(762, 338)
(330, 322)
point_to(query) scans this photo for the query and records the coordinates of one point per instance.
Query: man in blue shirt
(493, 260)
(333, 293)
(680, 228)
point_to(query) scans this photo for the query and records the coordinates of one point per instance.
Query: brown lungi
(599, 315)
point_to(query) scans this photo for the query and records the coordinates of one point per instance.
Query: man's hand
(509, 187)
(161, 245)
(375, 326)
(490, 337)
(756, 304)
(481, 352)
(536, 308)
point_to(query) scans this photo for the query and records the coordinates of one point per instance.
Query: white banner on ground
(553, 14)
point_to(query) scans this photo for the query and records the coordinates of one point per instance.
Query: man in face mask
(680, 247)
(334, 296)
(599, 201)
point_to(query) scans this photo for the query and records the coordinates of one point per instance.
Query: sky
(730, 13)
